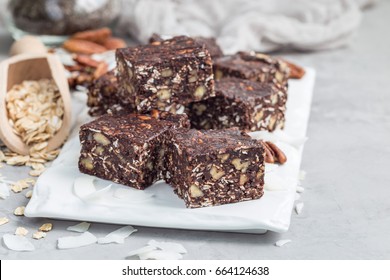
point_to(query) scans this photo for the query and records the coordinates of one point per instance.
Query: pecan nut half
(273, 154)
(296, 72)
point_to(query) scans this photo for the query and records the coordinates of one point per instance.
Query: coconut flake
(282, 242)
(160, 255)
(3, 220)
(300, 189)
(299, 207)
(302, 175)
(21, 231)
(81, 227)
(168, 246)
(70, 242)
(117, 236)
(85, 189)
(84, 186)
(4, 190)
(159, 251)
(17, 243)
(132, 195)
(98, 194)
(39, 235)
(142, 250)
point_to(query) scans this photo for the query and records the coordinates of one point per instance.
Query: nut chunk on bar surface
(175, 71)
(252, 66)
(127, 149)
(241, 103)
(214, 167)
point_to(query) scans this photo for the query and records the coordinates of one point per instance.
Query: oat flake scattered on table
(21, 231)
(22, 184)
(46, 227)
(28, 194)
(3, 220)
(19, 211)
(39, 235)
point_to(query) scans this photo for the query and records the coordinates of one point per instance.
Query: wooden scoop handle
(28, 44)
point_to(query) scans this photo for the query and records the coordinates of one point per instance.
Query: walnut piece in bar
(127, 149)
(252, 66)
(155, 76)
(214, 167)
(241, 103)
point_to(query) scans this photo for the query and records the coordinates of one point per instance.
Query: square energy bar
(214, 167)
(252, 66)
(240, 103)
(127, 149)
(162, 74)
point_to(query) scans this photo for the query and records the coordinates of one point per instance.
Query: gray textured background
(347, 160)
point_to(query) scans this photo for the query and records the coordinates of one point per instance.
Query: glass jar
(54, 20)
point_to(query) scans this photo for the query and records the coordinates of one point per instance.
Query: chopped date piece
(127, 149)
(209, 42)
(241, 103)
(214, 167)
(155, 76)
(252, 66)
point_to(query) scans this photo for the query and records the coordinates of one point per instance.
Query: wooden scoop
(31, 61)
